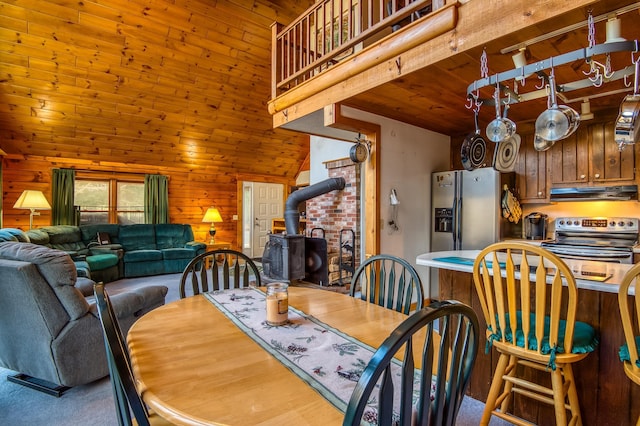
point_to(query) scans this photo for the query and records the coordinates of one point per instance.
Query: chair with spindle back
(126, 396)
(451, 333)
(388, 281)
(219, 270)
(525, 290)
(629, 354)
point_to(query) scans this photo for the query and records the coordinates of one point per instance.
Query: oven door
(600, 254)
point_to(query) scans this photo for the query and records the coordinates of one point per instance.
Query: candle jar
(277, 303)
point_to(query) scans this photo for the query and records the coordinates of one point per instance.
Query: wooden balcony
(418, 70)
(332, 30)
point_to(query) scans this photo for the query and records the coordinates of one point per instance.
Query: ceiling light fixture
(570, 28)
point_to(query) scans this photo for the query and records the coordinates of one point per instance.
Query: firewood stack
(334, 269)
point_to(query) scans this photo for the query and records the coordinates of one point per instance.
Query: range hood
(595, 193)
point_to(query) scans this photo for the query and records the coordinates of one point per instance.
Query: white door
(268, 204)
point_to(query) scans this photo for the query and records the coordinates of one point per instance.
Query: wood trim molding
(370, 174)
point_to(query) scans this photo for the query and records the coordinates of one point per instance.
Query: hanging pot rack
(539, 68)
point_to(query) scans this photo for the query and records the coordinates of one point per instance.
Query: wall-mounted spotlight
(585, 110)
(613, 29)
(520, 60)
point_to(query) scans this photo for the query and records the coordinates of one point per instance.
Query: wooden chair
(218, 270)
(123, 383)
(446, 358)
(388, 281)
(629, 354)
(514, 305)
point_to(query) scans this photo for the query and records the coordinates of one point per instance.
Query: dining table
(198, 361)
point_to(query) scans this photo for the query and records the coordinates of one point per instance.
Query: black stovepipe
(291, 213)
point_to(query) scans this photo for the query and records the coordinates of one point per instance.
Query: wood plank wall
(191, 192)
(177, 87)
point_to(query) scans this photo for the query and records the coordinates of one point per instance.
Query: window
(109, 200)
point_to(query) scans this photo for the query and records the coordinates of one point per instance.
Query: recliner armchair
(48, 329)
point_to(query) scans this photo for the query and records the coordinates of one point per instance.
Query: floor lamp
(32, 200)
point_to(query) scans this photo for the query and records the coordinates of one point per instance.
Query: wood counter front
(607, 396)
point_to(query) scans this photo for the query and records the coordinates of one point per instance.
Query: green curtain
(62, 197)
(156, 199)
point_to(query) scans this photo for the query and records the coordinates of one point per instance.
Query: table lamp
(32, 200)
(212, 216)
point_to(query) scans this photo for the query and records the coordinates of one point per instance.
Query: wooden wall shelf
(278, 226)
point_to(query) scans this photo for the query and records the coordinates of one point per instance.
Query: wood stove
(284, 257)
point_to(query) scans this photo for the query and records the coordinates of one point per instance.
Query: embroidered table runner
(328, 360)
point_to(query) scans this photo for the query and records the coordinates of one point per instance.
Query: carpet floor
(93, 404)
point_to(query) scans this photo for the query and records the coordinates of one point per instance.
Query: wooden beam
(370, 173)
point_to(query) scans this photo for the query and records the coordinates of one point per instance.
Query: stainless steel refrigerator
(466, 212)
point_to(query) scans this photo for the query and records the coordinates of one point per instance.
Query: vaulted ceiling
(186, 82)
(153, 82)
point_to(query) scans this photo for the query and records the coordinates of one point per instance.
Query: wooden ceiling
(435, 97)
(186, 83)
(180, 83)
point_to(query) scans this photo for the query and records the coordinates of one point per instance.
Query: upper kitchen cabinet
(608, 163)
(531, 172)
(591, 157)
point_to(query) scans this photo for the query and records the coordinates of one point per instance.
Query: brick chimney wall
(337, 210)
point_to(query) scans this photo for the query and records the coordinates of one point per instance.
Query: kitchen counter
(581, 268)
(606, 394)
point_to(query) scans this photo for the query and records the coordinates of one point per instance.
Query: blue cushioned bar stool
(529, 299)
(629, 353)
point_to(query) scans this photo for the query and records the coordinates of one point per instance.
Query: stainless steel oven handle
(614, 258)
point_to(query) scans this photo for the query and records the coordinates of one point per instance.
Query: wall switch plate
(235, 217)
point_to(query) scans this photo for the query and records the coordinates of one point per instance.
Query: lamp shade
(212, 215)
(33, 200)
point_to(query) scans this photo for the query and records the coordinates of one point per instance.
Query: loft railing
(332, 30)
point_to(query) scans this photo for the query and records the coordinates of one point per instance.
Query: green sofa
(157, 249)
(134, 250)
(18, 235)
(103, 265)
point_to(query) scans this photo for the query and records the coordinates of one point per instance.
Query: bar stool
(531, 324)
(629, 354)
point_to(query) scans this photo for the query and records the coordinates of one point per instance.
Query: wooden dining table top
(194, 366)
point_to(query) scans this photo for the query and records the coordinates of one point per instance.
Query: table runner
(330, 361)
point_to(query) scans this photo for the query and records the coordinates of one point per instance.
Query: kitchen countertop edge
(611, 285)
